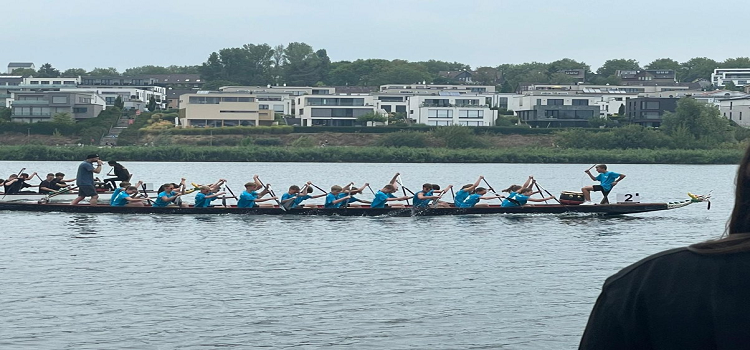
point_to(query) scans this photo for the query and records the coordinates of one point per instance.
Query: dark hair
(736, 238)
(294, 187)
(389, 187)
(51, 174)
(512, 188)
(427, 186)
(112, 162)
(59, 174)
(480, 189)
(435, 187)
(309, 190)
(603, 166)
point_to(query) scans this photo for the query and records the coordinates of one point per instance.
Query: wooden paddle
(273, 194)
(489, 187)
(592, 167)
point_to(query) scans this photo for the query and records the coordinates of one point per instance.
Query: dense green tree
(63, 118)
(739, 62)
(5, 114)
(621, 110)
(74, 73)
(279, 61)
(695, 123)
(400, 72)
(697, 68)
(150, 70)
(506, 87)
(47, 71)
(304, 66)
(664, 63)
(104, 72)
(610, 67)
(246, 65)
(151, 104)
(434, 67)
(24, 72)
(485, 76)
(119, 103)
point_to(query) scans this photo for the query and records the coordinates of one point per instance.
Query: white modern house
(448, 109)
(133, 98)
(738, 76)
(736, 109)
(20, 65)
(334, 110)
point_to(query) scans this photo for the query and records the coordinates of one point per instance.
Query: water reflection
(85, 224)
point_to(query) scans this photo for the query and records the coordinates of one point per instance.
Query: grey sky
(88, 34)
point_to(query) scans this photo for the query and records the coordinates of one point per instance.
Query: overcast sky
(123, 34)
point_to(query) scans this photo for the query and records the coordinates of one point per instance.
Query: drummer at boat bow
(607, 179)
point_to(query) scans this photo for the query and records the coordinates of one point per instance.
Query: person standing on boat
(121, 174)
(85, 179)
(465, 191)
(607, 179)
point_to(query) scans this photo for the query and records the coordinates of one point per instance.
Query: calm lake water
(222, 281)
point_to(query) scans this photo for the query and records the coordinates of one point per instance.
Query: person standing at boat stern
(687, 298)
(85, 179)
(607, 180)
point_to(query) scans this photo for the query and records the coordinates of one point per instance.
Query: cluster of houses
(643, 98)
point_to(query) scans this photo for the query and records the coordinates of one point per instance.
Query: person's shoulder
(667, 257)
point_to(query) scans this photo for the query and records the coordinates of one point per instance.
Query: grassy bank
(374, 154)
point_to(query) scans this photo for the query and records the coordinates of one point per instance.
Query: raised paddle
(403, 188)
(592, 167)
(319, 189)
(539, 190)
(272, 194)
(491, 189)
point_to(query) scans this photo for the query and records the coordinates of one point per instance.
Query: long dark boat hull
(609, 209)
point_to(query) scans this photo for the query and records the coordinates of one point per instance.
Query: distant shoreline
(350, 154)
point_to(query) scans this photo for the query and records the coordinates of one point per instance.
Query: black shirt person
(121, 174)
(16, 185)
(686, 298)
(47, 186)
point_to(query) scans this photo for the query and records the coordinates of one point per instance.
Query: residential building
(710, 97)
(588, 88)
(738, 76)
(31, 107)
(10, 80)
(393, 103)
(648, 111)
(20, 65)
(173, 97)
(558, 111)
(48, 84)
(736, 109)
(217, 109)
(430, 88)
(579, 75)
(451, 110)
(132, 97)
(334, 110)
(647, 77)
(177, 81)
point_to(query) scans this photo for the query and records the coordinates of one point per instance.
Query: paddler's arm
(394, 179)
(588, 172)
(622, 176)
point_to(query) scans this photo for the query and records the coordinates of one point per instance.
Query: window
(440, 122)
(229, 99)
(391, 99)
(34, 83)
(237, 112)
(580, 102)
(400, 109)
(110, 100)
(57, 82)
(386, 108)
(245, 99)
(45, 82)
(77, 110)
(440, 113)
(471, 123)
(649, 104)
(470, 114)
(262, 106)
(335, 101)
(555, 102)
(201, 100)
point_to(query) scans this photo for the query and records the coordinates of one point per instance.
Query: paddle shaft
(550, 194)
(540, 191)
(403, 188)
(272, 194)
(491, 189)
(592, 167)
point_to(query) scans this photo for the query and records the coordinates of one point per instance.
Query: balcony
(30, 102)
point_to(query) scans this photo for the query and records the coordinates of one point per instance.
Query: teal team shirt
(247, 199)
(607, 178)
(419, 203)
(471, 201)
(202, 202)
(296, 201)
(332, 197)
(160, 203)
(380, 199)
(114, 195)
(120, 200)
(461, 196)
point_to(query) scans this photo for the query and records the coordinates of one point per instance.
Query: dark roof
(10, 80)
(175, 93)
(20, 64)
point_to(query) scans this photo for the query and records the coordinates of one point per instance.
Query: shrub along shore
(374, 154)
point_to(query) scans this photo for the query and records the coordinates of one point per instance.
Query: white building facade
(738, 76)
(451, 110)
(334, 110)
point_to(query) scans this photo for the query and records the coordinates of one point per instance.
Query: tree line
(299, 64)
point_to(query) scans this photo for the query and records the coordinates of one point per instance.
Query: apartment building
(47, 84)
(334, 110)
(218, 109)
(738, 76)
(647, 77)
(559, 110)
(736, 109)
(132, 97)
(435, 89)
(648, 111)
(31, 107)
(451, 110)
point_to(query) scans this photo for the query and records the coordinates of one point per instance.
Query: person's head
(92, 158)
(526, 191)
(389, 188)
(466, 186)
(252, 186)
(480, 190)
(50, 177)
(435, 187)
(112, 163)
(601, 168)
(59, 175)
(131, 189)
(309, 189)
(427, 187)
(336, 189)
(24, 176)
(12, 176)
(512, 188)
(168, 187)
(124, 184)
(293, 189)
(204, 189)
